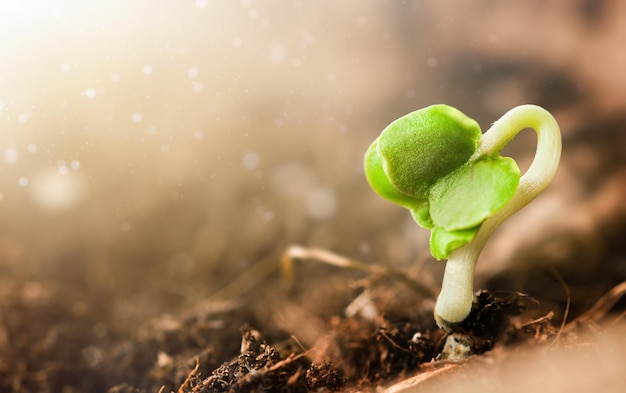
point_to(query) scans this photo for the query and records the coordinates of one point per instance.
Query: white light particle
(1, 107)
(65, 67)
(1, 196)
(90, 93)
(75, 165)
(431, 62)
(277, 53)
(31, 148)
(24, 117)
(192, 72)
(237, 42)
(115, 77)
(11, 155)
(147, 69)
(62, 168)
(22, 181)
(321, 203)
(137, 117)
(198, 135)
(268, 215)
(165, 148)
(306, 39)
(201, 4)
(197, 87)
(251, 160)
(125, 227)
(53, 190)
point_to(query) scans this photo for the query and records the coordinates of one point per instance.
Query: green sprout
(437, 163)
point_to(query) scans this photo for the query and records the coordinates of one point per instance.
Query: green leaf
(421, 215)
(422, 162)
(418, 149)
(467, 196)
(378, 181)
(443, 242)
(377, 178)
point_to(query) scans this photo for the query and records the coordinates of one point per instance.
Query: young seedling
(437, 163)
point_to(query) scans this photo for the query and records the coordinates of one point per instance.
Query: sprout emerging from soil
(437, 163)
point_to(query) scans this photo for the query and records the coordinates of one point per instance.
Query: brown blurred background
(154, 151)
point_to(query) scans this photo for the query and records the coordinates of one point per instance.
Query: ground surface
(159, 158)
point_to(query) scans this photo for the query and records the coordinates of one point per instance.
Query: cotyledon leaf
(467, 196)
(418, 149)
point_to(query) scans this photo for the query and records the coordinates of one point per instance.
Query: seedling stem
(455, 299)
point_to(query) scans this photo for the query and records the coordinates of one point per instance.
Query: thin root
(600, 308)
(191, 374)
(298, 253)
(567, 306)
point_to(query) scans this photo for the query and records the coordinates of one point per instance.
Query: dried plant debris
(260, 367)
(369, 353)
(356, 353)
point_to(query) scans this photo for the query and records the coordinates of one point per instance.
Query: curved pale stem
(455, 299)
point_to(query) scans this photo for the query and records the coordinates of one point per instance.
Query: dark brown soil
(236, 346)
